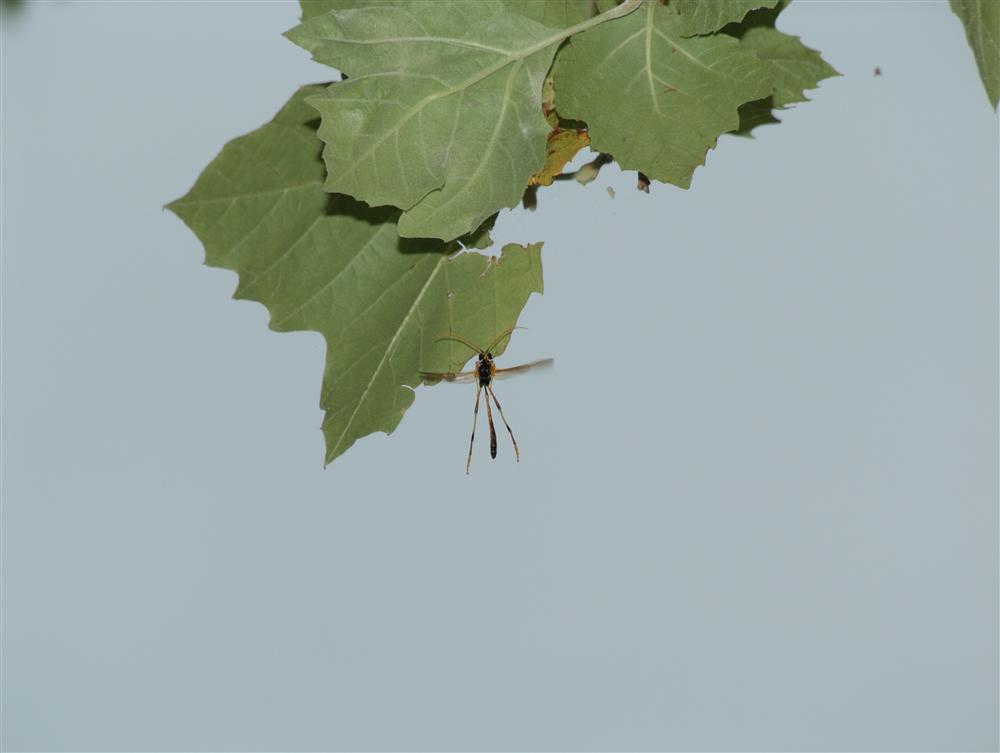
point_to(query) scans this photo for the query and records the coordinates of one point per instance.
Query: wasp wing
(437, 376)
(545, 363)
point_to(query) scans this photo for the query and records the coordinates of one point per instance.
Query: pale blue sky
(757, 502)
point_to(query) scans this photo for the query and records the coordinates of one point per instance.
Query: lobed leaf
(792, 67)
(981, 19)
(442, 112)
(333, 265)
(653, 98)
(706, 16)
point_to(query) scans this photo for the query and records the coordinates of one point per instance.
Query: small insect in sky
(483, 374)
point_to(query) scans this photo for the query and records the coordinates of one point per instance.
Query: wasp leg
(517, 452)
(493, 431)
(475, 415)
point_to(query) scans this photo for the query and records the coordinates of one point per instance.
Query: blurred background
(757, 502)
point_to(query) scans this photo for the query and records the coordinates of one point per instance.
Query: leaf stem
(609, 15)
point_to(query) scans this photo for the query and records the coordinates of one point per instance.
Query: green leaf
(981, 19)
(312, 8)
(705, 16)
(754, 114)
(654, 99)
(792, 67)
(442, 112)
(556, 14)
(332, 265)
(481, 237)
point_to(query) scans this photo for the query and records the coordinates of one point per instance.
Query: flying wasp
(483, 374)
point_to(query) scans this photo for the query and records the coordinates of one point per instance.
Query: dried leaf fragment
(561, 147)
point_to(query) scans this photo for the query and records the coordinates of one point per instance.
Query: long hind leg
(493, 431)
(475, 415)
(517, 452)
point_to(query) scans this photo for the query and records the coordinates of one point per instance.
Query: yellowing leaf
(562, 147)
(549, 103)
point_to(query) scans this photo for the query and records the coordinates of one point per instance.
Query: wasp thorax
(484, 367)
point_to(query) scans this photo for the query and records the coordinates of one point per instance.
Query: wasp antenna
(460, 339)
(500, 338)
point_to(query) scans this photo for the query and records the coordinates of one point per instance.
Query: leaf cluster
(357, 211)
(450, 108)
